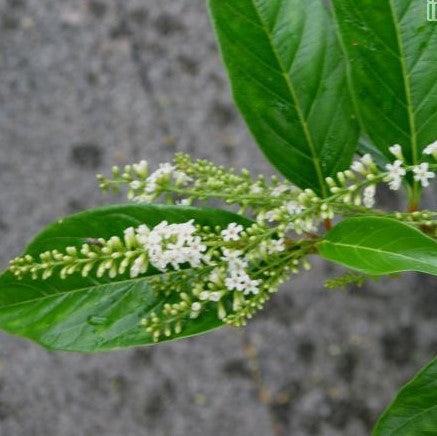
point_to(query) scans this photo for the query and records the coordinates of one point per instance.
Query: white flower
(395, 173)
(279, 190)
(141, 168)
(136, 184)
(237, 266)
(358, 167)
(204, 295)
(196, 306)
(238, 282)
(396, 151)
(363, 164)
(272, 215)
(129, 237)
(164, 172)
(367, 159)
(422, 175)
(231, 255)
(293, 207)
(233, 282)
(252, 287)
(256, 189)
(232, 232)
(369, 196)
(181, 178)
(275, 246)
(142, 234)
(151, 186)
(215, 296)
(215, 276)
(139, 266)
(431, 149)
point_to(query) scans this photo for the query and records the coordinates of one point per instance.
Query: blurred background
(86, 84)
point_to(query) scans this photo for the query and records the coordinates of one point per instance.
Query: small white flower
(272, 215)
(252, 287)
(431, 149)
(275, 246)
(215, 276)
(237, 266)
(232, 283)
(204, 295)
(358, 167)
(129, 237)
(139, 266)
(256, 189)
(422, 174)
(369, 196)
(279, 190)
(362, 166)
(231, 255)
(181, 178)
(151, 187)
(165, 168)
(395, 173)
(215, 296)
(367, 159)
(136, 184)
(196, 306)
(293, 207)
(396, 151)
(232, 232)
(141, 168)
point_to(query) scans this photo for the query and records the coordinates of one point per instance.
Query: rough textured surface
(88, 84)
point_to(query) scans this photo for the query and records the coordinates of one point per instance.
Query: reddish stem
(328, 224)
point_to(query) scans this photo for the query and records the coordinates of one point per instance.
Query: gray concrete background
(88, 84)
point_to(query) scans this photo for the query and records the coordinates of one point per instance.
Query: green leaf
(379, 246)
(288, 79)
(90, 314)
(414, 411)
(392, 54)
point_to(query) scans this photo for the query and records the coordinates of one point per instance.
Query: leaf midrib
(73, 291)
(407, 84)
(292, 90)
(375, 250)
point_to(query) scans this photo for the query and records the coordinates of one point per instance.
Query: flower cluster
(172, 244)
(165, 245)
(397, 170)
(185, 181)
(232, 270)
(272, 202)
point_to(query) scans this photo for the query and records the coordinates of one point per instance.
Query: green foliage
(302, 78)
(380, 246)
(90, 313)
(392, 52)
(288, 77)
(414, 411)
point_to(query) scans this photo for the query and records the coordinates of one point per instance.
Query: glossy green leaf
(288, 79)
(89, 314)
(379, 246)
(392, 56)
(414, 410)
